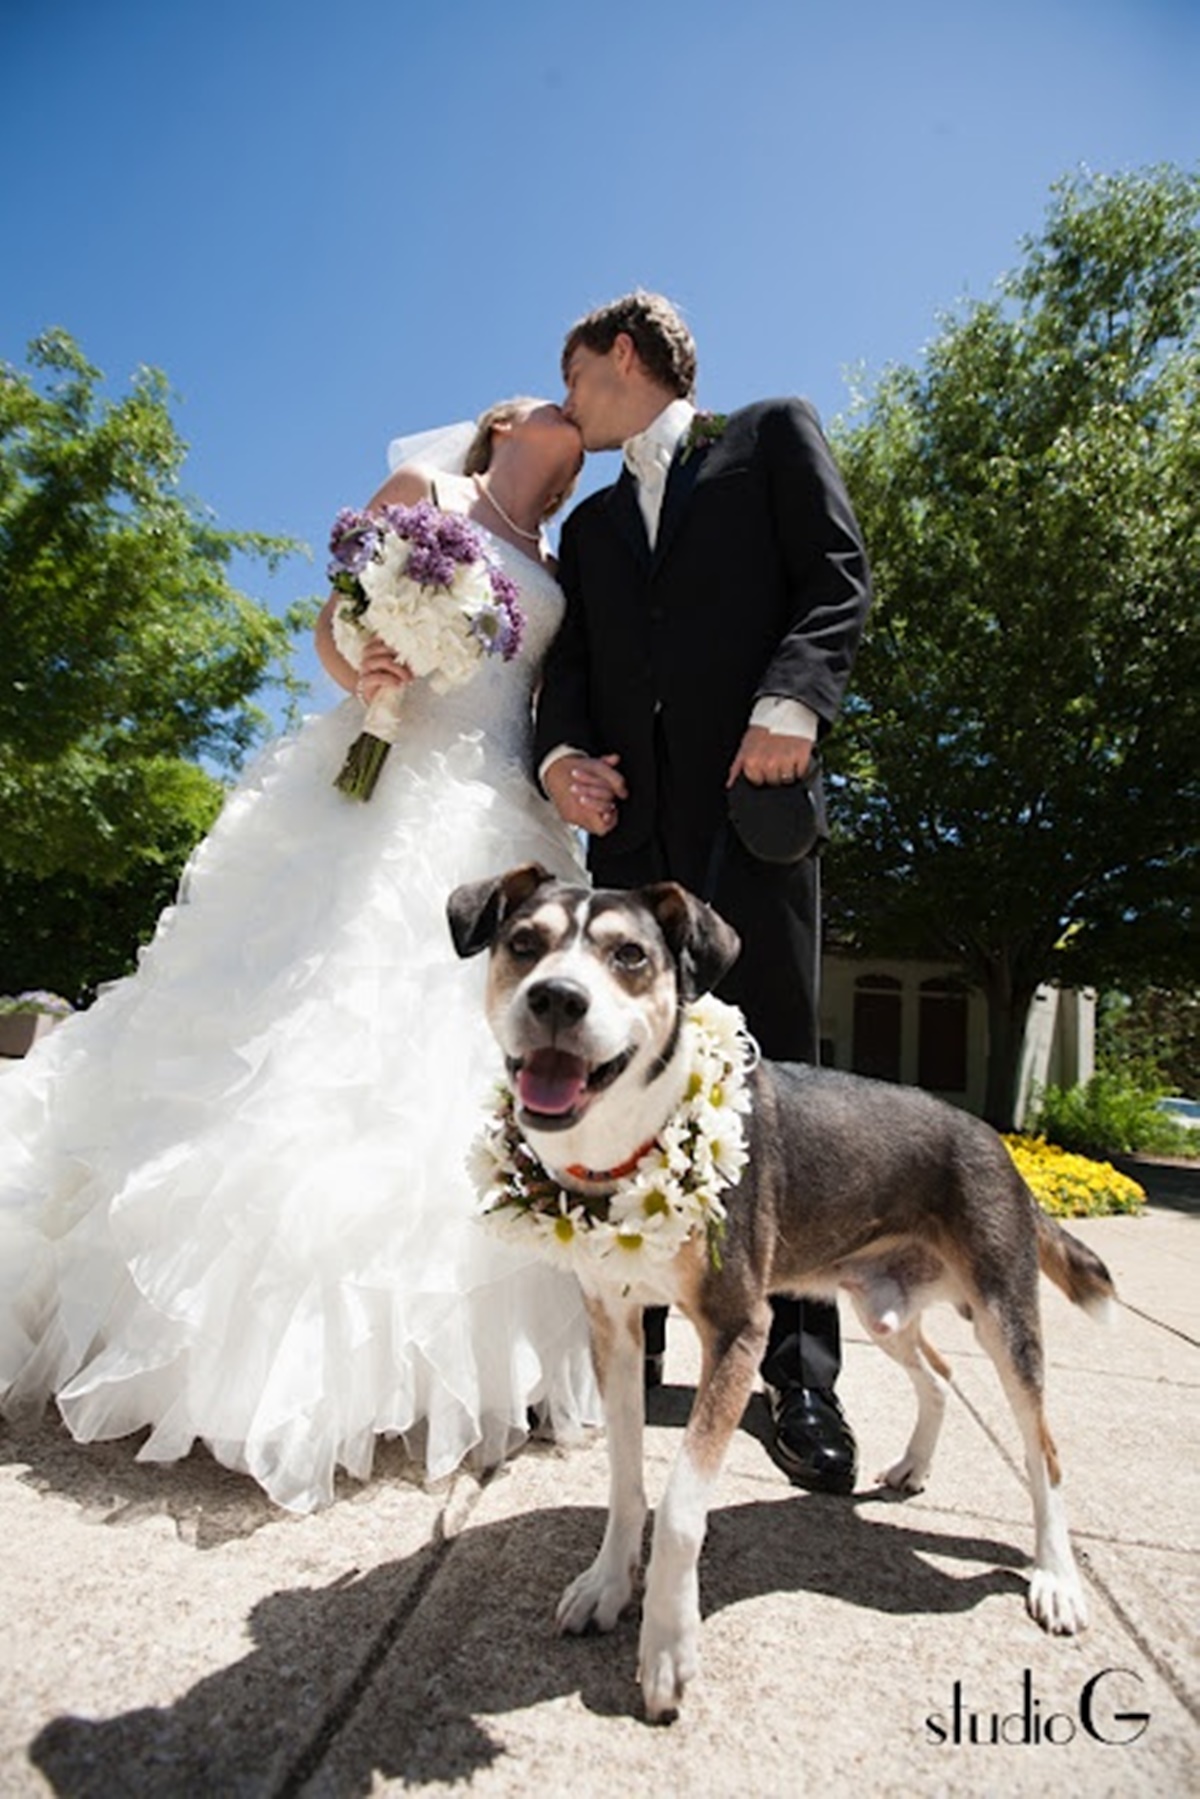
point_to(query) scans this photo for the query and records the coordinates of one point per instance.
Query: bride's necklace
(486, 493)
(673, 1189)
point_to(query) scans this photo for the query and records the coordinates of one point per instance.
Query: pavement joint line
(1107, 1540)
(972, 1356)
(1015, 1467)
(1162, 1668)
(1097, 1581)
(999, 1521)
(308, 1761)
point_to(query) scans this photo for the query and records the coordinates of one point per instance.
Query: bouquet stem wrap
(369, 751)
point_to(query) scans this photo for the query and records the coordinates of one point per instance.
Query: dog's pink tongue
(551, 1081)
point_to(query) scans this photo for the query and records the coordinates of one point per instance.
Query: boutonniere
(706, 428)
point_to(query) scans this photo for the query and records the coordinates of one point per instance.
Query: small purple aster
(353, 541)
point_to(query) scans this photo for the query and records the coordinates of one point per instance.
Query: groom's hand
(586, 790)
(770, 758)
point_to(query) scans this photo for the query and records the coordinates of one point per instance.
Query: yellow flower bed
(1069, 1186)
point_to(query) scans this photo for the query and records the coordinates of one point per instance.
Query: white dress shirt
(649, 455)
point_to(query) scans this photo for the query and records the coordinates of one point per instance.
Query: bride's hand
(379, 669)
(587, 790)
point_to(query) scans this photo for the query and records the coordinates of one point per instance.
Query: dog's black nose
(558, 1002)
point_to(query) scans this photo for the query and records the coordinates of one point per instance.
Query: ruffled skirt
(233, 1200)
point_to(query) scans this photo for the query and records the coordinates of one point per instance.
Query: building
(922, 1024)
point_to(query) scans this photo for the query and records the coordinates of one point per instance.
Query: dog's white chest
(608, 1280)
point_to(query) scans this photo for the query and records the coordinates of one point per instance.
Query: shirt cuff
(556, 755)
(786, 718)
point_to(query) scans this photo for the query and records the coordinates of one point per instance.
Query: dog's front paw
(1056, 1601)
(667, 1662)
(908, 1475)
(669, 1647)
(595, 1600)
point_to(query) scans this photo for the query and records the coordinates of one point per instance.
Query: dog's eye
(524, 945)
(629, 956)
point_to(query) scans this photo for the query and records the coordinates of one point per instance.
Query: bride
(233, 1202)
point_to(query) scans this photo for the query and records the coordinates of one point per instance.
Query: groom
(715, 598)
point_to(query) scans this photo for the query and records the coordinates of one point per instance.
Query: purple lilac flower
(515, 632)
(429, 565)
(503, 585)
(439, 542)
(507, 595)
(409, 522)
(459, 538)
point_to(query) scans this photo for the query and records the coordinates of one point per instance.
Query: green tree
(1152, 1035)
(1020, 787)
(130, 664)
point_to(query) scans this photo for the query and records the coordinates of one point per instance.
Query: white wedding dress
(233, 1201)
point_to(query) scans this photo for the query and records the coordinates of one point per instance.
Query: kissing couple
(235, 1205)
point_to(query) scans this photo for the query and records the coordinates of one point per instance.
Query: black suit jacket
(757, 584)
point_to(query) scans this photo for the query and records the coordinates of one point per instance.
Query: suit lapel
(626, 516)
(681, 478)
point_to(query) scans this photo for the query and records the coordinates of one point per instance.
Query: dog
(883, 1191)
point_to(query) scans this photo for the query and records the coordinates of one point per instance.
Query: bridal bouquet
(424, 582)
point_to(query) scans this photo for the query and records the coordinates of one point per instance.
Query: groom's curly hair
(663, 342)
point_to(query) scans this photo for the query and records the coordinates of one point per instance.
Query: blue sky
(332, 223)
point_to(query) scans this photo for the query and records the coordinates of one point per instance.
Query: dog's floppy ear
(477, 910)
(703, 945)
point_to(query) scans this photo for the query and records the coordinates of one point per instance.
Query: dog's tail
(1074, 1267)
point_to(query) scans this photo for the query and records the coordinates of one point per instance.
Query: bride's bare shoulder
(404, 488)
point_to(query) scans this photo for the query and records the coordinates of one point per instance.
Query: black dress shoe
(652, 1371)
(811, 1440)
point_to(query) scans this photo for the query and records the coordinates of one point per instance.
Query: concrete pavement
(167, 1632)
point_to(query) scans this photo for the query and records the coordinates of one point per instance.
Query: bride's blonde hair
(479, 457)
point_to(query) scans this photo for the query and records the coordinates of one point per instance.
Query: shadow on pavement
(210, 1505)
(397, 1671)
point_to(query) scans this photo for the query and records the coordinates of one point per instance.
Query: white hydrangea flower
(457, 655)
(349, 634)
(383, 573)
(471, 586)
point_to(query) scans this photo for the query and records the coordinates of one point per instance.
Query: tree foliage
(1020, 788)
(1153, 1035)
(130, 659)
